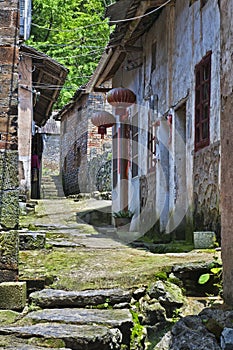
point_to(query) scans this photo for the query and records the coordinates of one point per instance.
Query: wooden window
(134, 142)
(152, 140)
(202, 102)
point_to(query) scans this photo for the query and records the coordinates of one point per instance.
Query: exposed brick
(9, 201)
(7, 54)
(13, 4)
(5, 18)
(15, 19)
(7, 125)
(78, 132)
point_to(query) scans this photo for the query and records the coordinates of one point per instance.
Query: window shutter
(25, 18)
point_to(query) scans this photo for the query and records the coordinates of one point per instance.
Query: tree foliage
(74, 33)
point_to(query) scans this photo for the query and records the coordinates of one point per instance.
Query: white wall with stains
(176, 42)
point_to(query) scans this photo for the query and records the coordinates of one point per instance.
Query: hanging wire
(98, 23)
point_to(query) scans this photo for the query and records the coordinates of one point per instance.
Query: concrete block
(13, 295)
(204, 239)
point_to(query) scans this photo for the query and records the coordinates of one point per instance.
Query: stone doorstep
(88, 337)
(49, 298)
(13, 295)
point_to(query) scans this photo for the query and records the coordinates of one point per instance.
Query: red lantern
(103, 120)
(121, 98)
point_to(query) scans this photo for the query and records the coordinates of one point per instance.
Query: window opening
(202, 102)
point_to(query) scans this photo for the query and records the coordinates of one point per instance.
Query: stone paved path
(81, 257)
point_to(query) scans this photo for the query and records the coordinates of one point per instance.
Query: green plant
(216, 272)
(123, 214)
(137, 332)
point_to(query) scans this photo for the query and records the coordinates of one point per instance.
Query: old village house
(86, 156)
(166, 152)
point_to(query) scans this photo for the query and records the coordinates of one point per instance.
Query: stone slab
(13, 295)
(114, 318)
(31, 240)
(48, 298)
(75, 337)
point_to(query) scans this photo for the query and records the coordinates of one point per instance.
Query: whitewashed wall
(183, 35)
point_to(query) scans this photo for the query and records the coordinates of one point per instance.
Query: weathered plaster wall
(51, 150)
(206, 190)
(9, 207)
(182, 35)
(25, 124)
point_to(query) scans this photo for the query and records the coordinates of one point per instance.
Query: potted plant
(123, 218)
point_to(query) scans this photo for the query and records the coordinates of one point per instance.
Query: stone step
(113, 318)
(31, 240)
(10, 342)
(52, 192)
(51, 187)
(88, 337)
(53, 298)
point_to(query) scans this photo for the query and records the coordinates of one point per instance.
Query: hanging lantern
(121, 98)
(103, 120)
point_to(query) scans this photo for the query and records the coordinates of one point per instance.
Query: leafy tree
(74, 33)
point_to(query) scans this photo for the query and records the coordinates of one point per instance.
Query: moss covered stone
(9, 209)
(13, 295)
(9, 170)
(8, 317)
(9, 243)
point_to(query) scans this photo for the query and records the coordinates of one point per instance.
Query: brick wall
(9, 207)
(83, 153)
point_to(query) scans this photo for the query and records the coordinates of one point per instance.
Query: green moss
(7, 317)
(47, 343)
(50, 263)
(161, 275)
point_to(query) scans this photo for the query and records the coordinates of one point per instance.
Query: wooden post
(226, 8)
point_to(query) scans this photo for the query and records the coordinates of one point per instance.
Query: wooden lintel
(48, 98)
(156, 3)
(129, 48)
(101, 89)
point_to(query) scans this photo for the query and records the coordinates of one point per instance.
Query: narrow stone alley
(85, 286)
